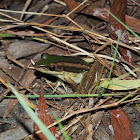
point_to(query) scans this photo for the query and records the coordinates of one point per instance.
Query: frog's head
(48, 64)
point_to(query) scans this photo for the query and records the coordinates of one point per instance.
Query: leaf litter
(30, 28)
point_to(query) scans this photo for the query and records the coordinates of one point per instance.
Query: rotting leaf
(121, 124)
(43, 113)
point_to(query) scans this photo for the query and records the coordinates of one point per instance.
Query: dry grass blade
(77, 7)
(28, 2)
(14, 19)
(34, 13)
(4, 94)
(15, 61)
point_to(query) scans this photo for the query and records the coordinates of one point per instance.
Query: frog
(75, 71)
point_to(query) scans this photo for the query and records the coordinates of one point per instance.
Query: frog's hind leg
(73, 84)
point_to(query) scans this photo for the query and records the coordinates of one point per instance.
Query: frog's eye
(51, 67)
(44, 56)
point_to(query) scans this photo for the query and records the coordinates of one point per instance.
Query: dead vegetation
(29, 28)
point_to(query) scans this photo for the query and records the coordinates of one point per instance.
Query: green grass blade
(69, 95)
(124, 25)
(62, 128)
(115, 53)
(6, 35)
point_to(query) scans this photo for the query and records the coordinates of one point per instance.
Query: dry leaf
(121, 124)
(44, 115)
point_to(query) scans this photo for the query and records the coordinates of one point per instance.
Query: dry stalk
(31, 13)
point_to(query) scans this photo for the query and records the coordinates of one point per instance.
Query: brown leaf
(43, 113)
(118, 8)
(28, 78)
(71, 4)
(121, 124)
(25, 48)
(133, 23)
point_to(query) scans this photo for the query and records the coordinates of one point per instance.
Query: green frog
(81, 75)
